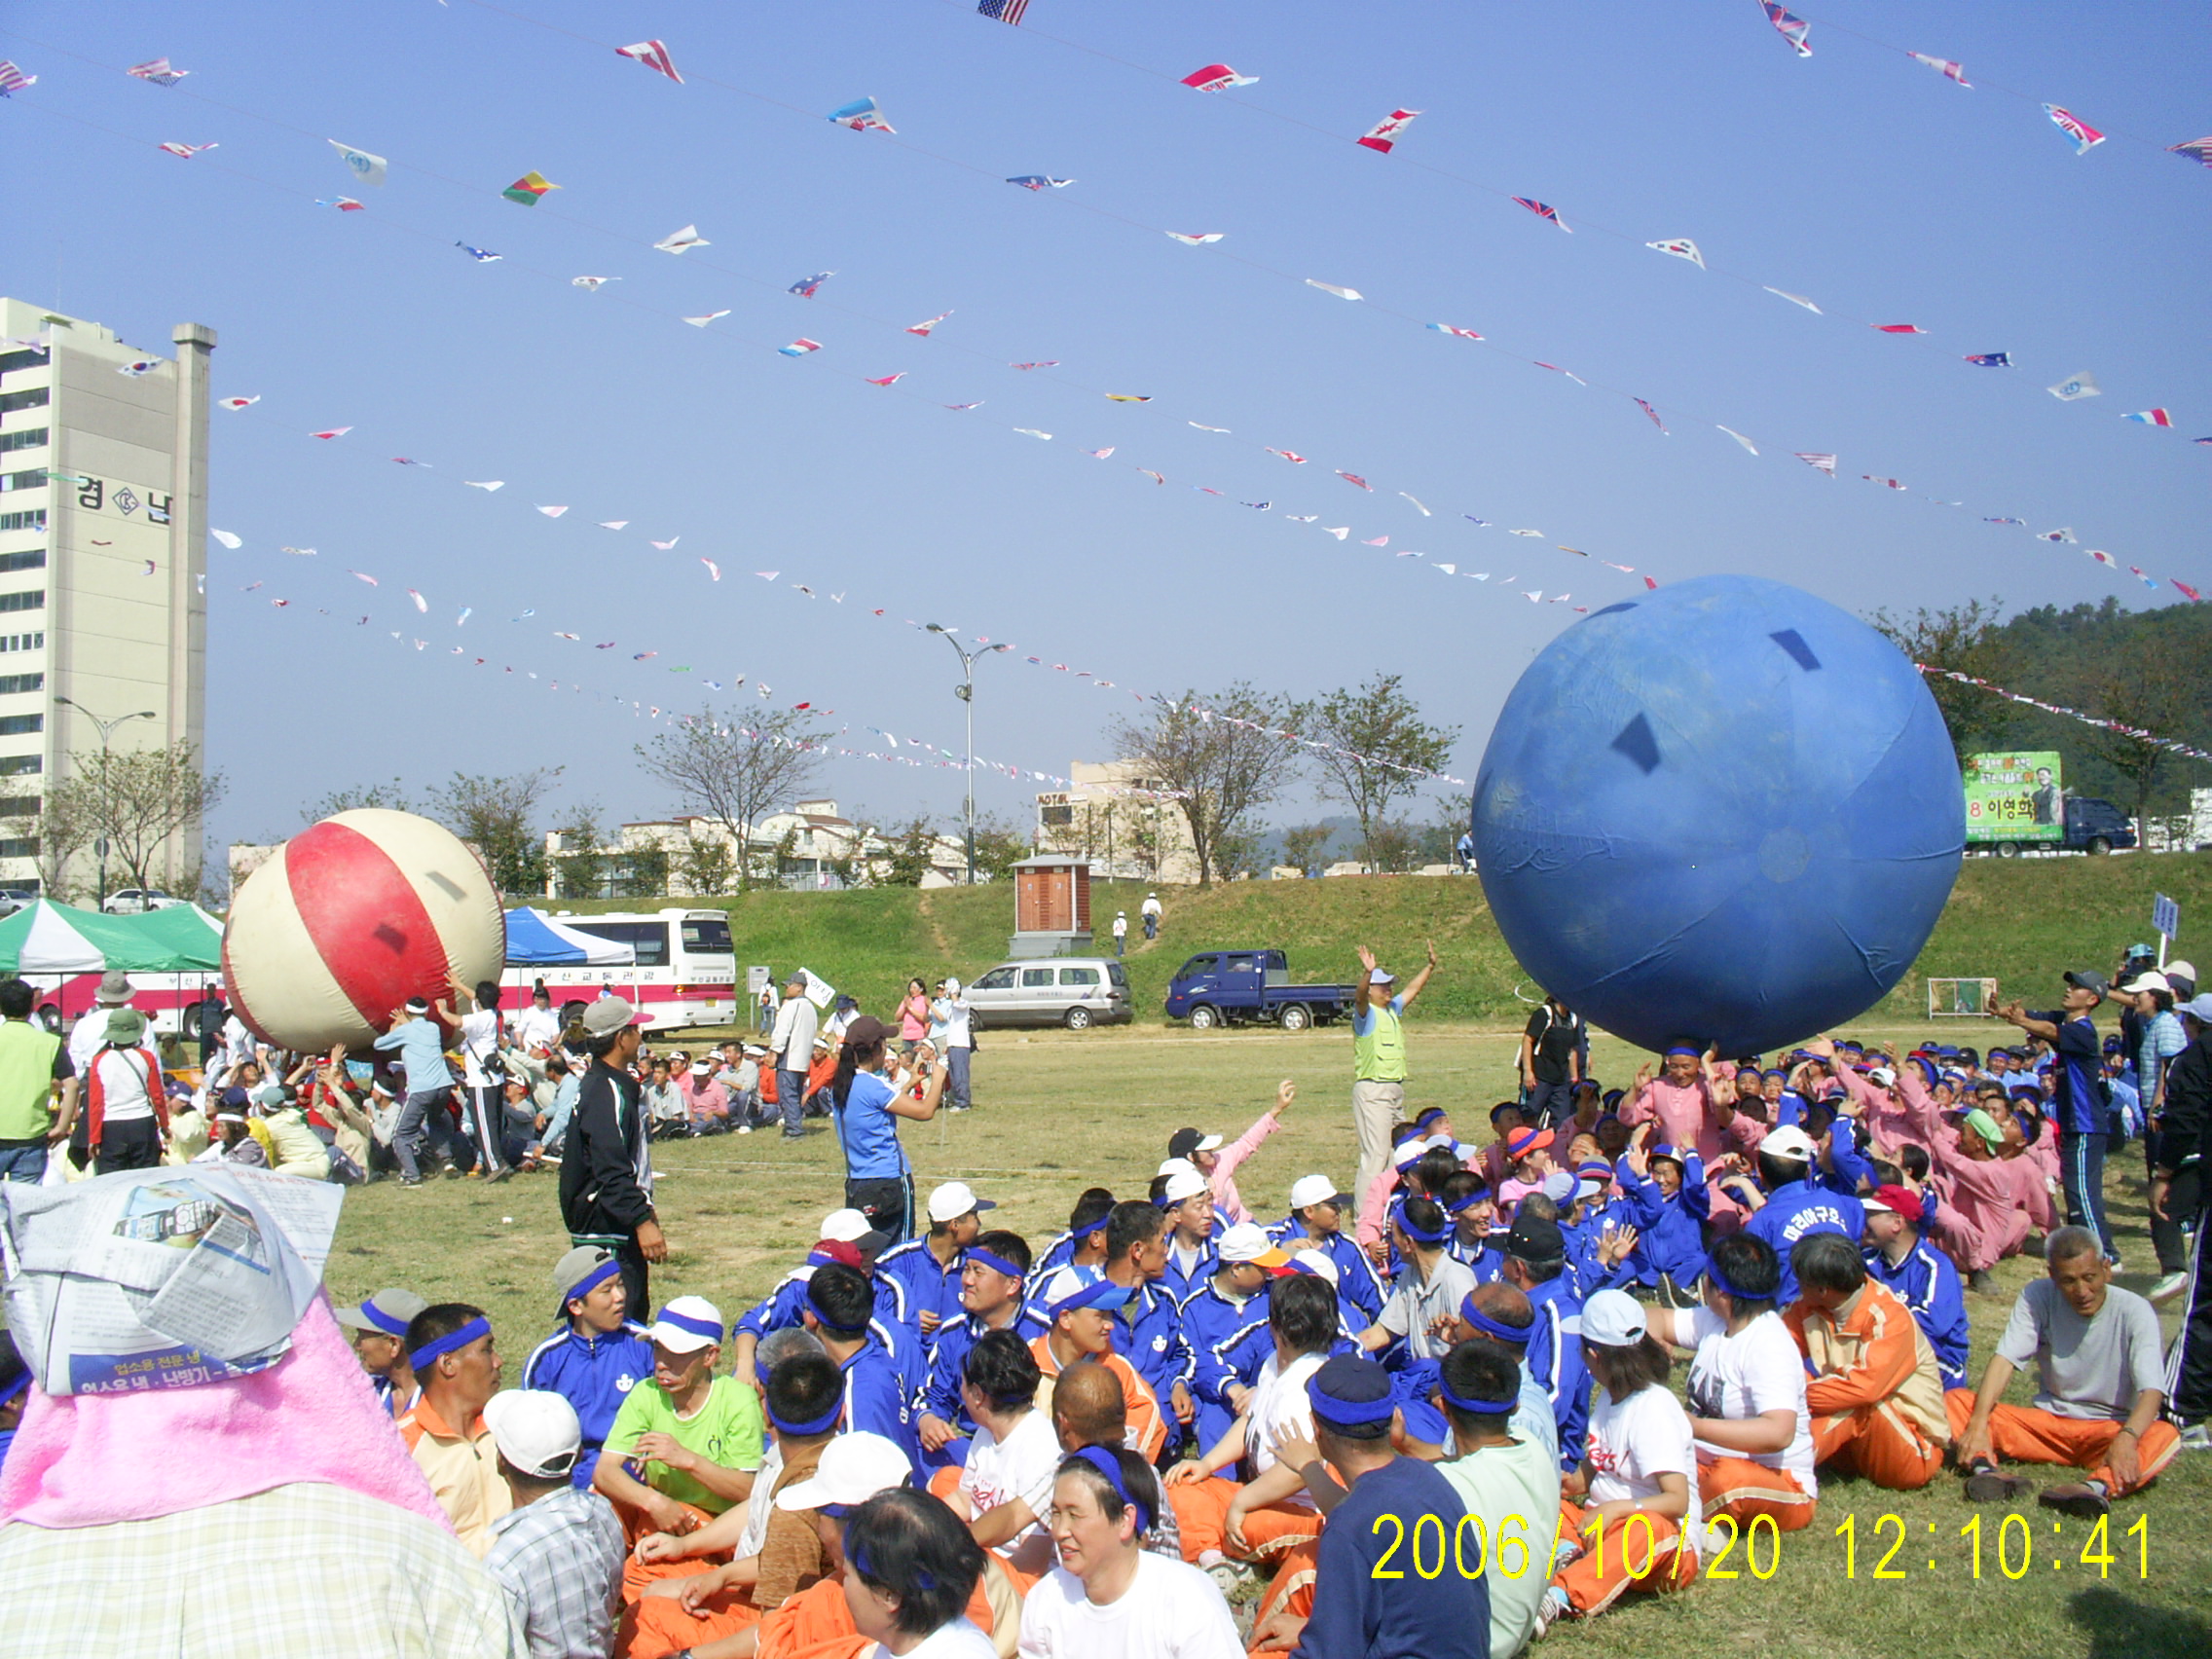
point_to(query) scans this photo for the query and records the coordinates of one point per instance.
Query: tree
(1963, 639)
(390, 795)
(1305, 845)
(911, 854)
(136, 802)
(736, 768)
(59, 825)
(707, 865)
(579, 868)
(643, 871)
(2147, 691)
(499, 817)
(1393, 847)
(1438, 840)
(1225, 756)
(999, 847)
(1376, 747)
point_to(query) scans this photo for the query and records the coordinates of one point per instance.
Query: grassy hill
(2020, 920)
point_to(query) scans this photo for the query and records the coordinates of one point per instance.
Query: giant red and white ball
(353, 918)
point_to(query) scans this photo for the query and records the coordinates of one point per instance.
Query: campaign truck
(1251, 987)
(2016, 802)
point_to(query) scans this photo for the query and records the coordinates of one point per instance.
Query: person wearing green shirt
(1379, 1060)
(687, 1443)
(32, 1060)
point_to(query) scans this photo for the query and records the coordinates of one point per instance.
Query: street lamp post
(106, 804)
(966, 692)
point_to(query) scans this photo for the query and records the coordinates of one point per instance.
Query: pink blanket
(90, 1459)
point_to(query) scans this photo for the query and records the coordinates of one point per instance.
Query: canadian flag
(1384, 132)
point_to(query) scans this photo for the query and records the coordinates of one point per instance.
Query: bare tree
(390, 795)
(1226, 756)
(736, 768)
(59, 829)
(499, 817)
(136, 802)
(1377, 749)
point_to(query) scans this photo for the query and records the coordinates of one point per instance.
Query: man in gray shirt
(2100, 1374)
(558, 1552)
(792, 1045)
(422, 1050)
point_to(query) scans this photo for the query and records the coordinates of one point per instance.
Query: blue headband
(439, 1346)
(818, 1425)
(1712, 1271)
(1348, 1413)
(584, 1286)
(14, 1390)
(1088, 1227)
(691, 1322)
(1425, 1234)
(1683, 1048)
(1459, 1206)
(1468, 1403)
(376, 1316)
(1107, 1464)
(1490, 1327)
(922, 1580)
(996, 1264)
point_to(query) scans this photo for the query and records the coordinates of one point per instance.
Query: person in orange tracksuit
(1079, 1302)
(1875, 1394)
(2102, 1388)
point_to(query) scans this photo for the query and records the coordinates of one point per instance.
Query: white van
(1074, 991)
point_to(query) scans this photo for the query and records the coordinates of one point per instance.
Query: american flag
(158, 70)
(13, 78)
(1003, 11)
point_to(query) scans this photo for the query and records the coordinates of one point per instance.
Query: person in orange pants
(1281, 1619)
(1747, 1390)
(2098, 1358)
(1635, 1478)
(1273, 1514)
(1875, 1393)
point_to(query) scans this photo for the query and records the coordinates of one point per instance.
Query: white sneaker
(2167, 1289)
(745, 1128)
(1549, 1611)
(2196, 1438)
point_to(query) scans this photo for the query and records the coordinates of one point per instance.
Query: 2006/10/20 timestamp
(2015, 1546)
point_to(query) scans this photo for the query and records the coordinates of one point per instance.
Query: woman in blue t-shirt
(880, 1182)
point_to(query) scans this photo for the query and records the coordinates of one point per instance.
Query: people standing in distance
(792, 1043)
(1378, 1061)
(1150, 911)
(1551, 1061)
(2077, 1101)
(953, 1031)
(865, 1105)
(421, 1049)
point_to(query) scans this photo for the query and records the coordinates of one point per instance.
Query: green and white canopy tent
(46, 938)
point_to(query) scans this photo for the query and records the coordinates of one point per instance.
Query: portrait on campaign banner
(2016, 796)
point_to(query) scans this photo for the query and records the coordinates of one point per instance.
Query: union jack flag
(1653, 412)
(13, 78)
(1543, 212)
(1792, 28)
(1002, 10)
(1991, 359)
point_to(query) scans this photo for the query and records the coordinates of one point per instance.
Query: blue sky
(1857, 177)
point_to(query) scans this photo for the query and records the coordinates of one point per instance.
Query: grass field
(2018, 920)
(1060, 1110)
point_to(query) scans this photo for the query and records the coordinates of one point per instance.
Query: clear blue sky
(1857, 177)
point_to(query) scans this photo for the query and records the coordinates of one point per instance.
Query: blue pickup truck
(1252, 987)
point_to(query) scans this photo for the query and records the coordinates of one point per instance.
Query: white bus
(685, 973)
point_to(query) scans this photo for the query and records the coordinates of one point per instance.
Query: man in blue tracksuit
(928, 1269)
(596, 1355)
(1316, 1211)
(785, 1307)
(2077, 1097)
(991, 1300)
(1536, 1265)
(1226, 1303)
(1922, 1277)
(878, 1397)
(1801, 1198)
(1665, 1199)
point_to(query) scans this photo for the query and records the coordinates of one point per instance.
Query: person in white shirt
(1150, 911)
(1510, 1484)
(1110, 1598)
(1006, 1486)
(1272, 1512)
(1121, 931)
(126, 1108)
(1637, 1523)
(910, 1570)
(1755, 1440)
(957, 1043)
(87, 1037)
(484, 1074)
(537, 1026)
(792, 1045)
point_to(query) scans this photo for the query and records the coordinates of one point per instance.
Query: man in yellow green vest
(1379, 1060)
(32, 1060)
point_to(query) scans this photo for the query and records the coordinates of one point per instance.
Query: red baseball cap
(1902, 1200)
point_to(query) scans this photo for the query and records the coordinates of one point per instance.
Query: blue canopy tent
(536, 940)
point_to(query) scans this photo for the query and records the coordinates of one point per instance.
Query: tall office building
(103, 535)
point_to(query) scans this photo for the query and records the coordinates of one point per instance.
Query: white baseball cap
(686, 1325)
(1789, 1141)
(954, 1199)
(1177, 1166)
(1184, 1184)
(1316, 1190)
(536, 1429)
(853, 1468)
(1881, 1077)
(1612, 1319)
(1318, 1263)
(847, 1226)
(1246, 1242)
(1381, 977)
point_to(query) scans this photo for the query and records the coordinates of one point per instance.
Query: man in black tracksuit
(607, 1173)
(2184, 1145)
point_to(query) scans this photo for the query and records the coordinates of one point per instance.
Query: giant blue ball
(1725, 811)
